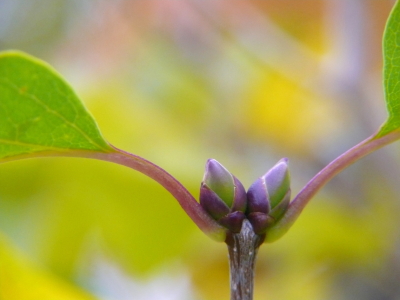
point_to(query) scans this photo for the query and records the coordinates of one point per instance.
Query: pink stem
(189, 204)
(185, 199)
(364, 148)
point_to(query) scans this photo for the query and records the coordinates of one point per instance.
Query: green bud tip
(223, 196)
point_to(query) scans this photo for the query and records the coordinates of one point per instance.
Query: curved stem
(364, 148)
(189, 204)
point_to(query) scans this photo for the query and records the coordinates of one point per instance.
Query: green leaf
(391, 71)
(39, 112)
(40, 115)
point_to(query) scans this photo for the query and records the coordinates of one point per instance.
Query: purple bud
(233, 221)
(277, 180)
(260, 222)
(269, 196)
(281, 207)
(222, 195)
(219, 180)
(240, 198)
(212, 203)
(257, 197)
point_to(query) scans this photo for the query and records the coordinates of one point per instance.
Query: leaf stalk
(362, 149)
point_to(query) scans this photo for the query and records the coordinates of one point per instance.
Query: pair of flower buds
(223, 196)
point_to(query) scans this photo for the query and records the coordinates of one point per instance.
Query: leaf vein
(53, 112)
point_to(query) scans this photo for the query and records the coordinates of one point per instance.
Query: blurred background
(177, 82)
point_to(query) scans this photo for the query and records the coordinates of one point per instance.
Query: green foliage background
(244, 82)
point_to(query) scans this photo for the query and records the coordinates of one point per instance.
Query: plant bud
(269, 196)
(223, 196)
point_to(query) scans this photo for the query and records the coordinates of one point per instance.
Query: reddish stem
(364, 148)
(189, 204)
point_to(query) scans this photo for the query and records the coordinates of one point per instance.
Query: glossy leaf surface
(40, 112)
(40, 115)
(391, 73)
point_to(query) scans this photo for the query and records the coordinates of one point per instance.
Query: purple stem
(364, 148)
(189, 204)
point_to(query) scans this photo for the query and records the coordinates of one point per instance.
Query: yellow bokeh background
(177, 82)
